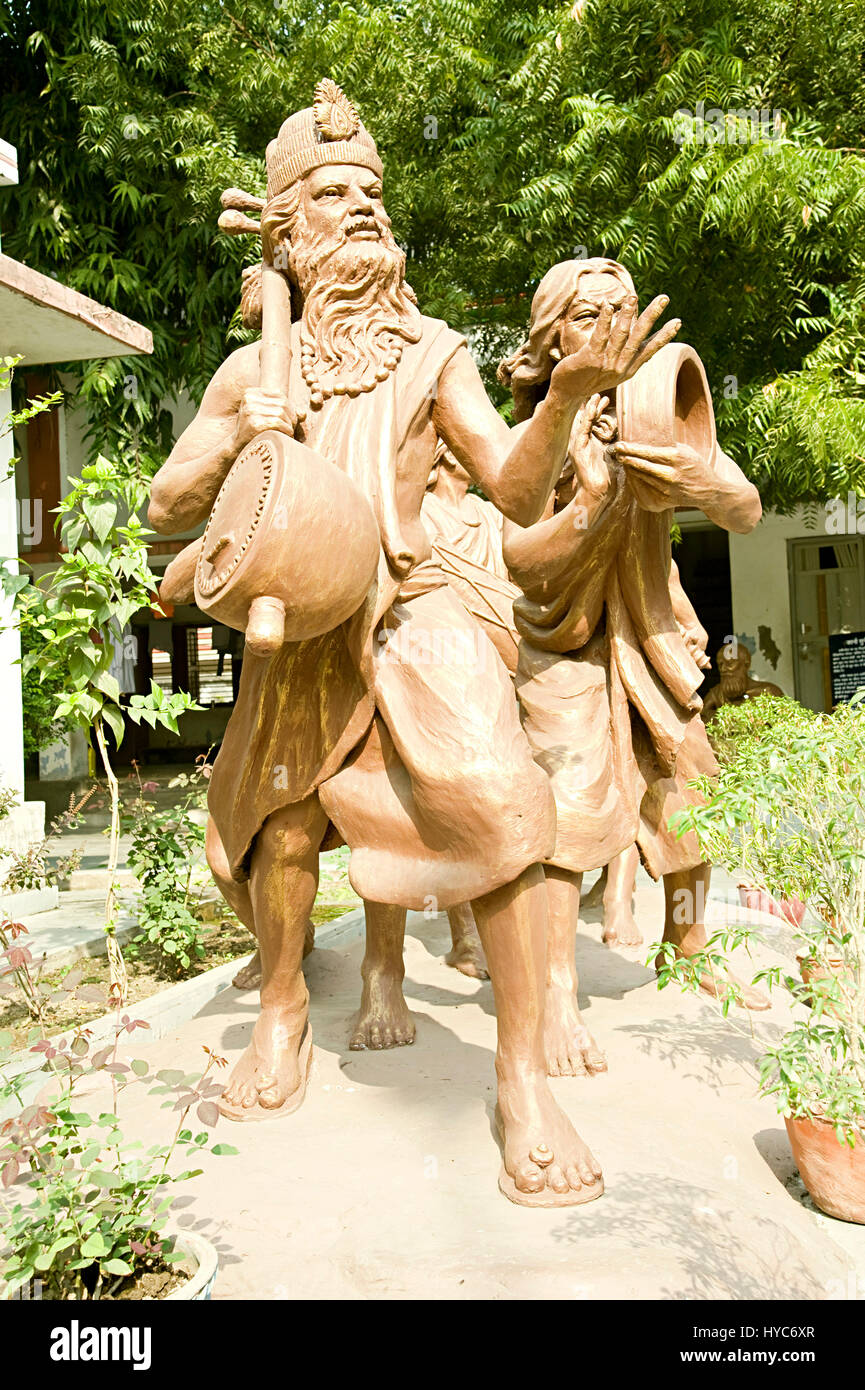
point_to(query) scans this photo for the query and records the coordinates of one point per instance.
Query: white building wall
(11, 725)
(760, 583)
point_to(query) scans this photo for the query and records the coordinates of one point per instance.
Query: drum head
(236, 515)
(291, 526)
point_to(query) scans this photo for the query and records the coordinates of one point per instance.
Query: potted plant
(756, 899)
(788, 812)
(86, 1210)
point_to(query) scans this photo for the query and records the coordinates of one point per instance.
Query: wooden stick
(236, 224)
(275, 331)
(243, 202)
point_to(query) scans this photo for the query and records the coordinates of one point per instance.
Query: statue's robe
(606, 684)
(466, 554)
(403, 719)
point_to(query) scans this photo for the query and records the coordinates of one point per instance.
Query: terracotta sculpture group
(483, 700)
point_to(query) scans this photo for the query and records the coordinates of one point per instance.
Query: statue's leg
(569, 1046)
(595, 895)
(620, 924)
(238, 899)
(545, 1161)
(466, 953)
(686, 892)
(383, 1019)
(271, 1074)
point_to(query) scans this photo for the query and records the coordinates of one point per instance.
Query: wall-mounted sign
(846, 664)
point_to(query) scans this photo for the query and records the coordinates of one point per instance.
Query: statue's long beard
(734, 683)
(358, 311)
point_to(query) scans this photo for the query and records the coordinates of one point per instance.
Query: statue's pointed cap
(328, 132)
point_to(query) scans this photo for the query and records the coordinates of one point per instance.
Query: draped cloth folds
(607, 686)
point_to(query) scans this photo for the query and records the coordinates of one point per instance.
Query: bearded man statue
(735, 684)
(397, 732)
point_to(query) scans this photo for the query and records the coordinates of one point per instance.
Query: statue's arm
(678, 476)
(695, 635)
(733, 503)
(711, 703)
(184, 489)
(518, 468)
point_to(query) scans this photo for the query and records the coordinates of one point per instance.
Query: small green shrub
(167, 857)
(84, 1208)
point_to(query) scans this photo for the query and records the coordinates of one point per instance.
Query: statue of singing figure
(607, 679)
(395, 730)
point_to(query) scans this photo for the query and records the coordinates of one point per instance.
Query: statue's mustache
(316, 253)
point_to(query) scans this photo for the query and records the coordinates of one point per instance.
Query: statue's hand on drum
(263, 410)
(664, 476)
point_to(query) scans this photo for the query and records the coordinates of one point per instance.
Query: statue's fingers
(621, 330)
(654, 453)
(584, 429)
(656, 342)
(643, 325)
(601, 331)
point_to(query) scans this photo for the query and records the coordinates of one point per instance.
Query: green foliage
(510, 139)
(30, 867)
(72, 618)
(787, 813)
(85, 1209)
(166, 855)
(41, 693)
(16, 418)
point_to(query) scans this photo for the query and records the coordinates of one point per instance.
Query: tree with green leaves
(511, 139)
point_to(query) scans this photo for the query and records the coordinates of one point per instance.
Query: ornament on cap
(336, 117)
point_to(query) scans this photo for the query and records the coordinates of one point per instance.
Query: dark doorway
(703, 557)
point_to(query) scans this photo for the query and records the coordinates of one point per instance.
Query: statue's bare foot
(249, 976)
(546, 1162)
(467, 956)
(620, 926)
(271, 1075)
(715, 982)
(569, 1047)
(383, 1019)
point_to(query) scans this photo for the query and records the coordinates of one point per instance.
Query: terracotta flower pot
(833, 1173)
(832, 968)
(793, 911)
(812, 969)
(790, 910)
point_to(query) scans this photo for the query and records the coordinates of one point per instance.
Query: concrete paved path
(383, 1185)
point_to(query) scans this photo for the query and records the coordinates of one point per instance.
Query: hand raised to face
(614, 349)
(590, 467)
